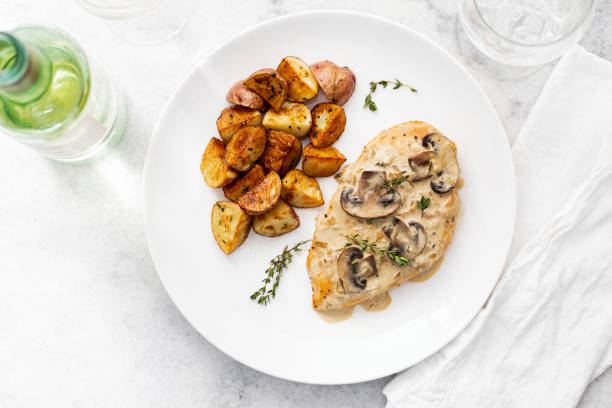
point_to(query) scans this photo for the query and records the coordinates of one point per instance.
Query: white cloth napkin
(546, 332)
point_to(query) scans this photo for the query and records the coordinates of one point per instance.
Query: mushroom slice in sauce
(445, 171)
(370, 201)
(443, 164)
(444, 182)
(421, 165)
(354, 269)
(408, 240)
(429, 141)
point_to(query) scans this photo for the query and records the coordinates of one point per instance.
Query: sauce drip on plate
(336, 315)
(377, 304)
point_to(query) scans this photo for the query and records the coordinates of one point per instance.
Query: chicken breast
(390, 220)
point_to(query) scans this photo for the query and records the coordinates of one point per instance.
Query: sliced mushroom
(443, 164)
(354, 269)
(408, 240)
(445, 171)
(444, 182)
(370, 200)
(429, 141)
(421, 165)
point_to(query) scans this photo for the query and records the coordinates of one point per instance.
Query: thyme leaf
(369, 103)
(423, 203)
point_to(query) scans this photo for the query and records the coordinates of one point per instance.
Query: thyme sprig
(393, 183)
(278, 264)
(369, 103)
(373, 246)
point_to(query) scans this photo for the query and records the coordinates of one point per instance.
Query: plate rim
(334, 12)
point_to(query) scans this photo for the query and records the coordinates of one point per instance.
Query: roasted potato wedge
(301, 82)
(321, 161)
(283, 152)
(234, 118)
(214, 169)
(230, 225)
(243, 96)
(292, 118)
(299, 190)
(263, 196)
(246, 146)
(279, 220)
(244, 183)
(328, 122)
(270, 86)
(337, 83)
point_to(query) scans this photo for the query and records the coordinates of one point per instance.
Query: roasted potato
(299, 190)
(270, 86)
(234, 118)
(244, 183)
(230, 225)
(292, 118)
(328, 121)
(279, 220)
(283, 152)
(214, 169)
(337, 83)
(246, 146)
(263, 196)
(301, 82)
(243, 96)
(321, 161)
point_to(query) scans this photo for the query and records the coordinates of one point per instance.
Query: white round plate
(286, 338)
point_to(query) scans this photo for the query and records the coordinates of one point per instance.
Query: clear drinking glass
(142, 21)
(525, 32)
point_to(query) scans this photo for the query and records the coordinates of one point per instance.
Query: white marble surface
(84, 319)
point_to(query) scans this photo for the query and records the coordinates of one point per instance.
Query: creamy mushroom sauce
(389, 151)
(377, 303)
(426, 275)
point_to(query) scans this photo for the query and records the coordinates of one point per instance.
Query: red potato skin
(243, 96)
(270, 71)
(337, 83)
(262, 71)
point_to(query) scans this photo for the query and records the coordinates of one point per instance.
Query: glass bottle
(53, 99)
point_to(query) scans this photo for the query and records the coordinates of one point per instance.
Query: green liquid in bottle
(53, 90)
(45, 95)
